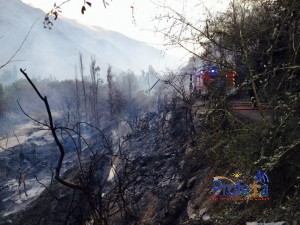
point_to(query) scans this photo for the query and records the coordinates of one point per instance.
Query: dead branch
(53, 129)
(10, 60)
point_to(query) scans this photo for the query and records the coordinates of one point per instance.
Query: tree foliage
(260, 40)
(57, 9)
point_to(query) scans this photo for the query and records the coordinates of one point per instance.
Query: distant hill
(55, 52)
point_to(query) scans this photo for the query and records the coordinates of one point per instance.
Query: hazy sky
(118, 16)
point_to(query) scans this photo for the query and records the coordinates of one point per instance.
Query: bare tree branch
(16, 52)
(53, 131)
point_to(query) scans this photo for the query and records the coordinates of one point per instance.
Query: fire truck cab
(204, 76)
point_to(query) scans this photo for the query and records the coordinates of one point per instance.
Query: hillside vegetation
(127, 149)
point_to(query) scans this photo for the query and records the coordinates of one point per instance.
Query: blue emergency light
(213, 71)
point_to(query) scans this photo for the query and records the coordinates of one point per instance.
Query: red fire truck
(204, 77)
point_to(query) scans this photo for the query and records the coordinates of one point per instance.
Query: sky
(136, 22)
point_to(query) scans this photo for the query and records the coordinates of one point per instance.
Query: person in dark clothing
(252, 97)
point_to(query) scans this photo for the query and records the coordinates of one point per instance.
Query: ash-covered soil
(157, 182)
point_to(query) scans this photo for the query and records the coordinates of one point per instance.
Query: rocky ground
(170, 178)
(163, 186)
(27, 162)
(157, 178)
(25, 155)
